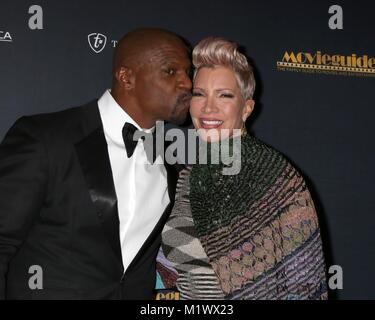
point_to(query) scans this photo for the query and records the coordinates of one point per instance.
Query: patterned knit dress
(254, 235)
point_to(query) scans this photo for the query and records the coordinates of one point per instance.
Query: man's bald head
(135, 47)
(151, 76)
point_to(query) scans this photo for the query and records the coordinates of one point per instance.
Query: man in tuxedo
(79, 201)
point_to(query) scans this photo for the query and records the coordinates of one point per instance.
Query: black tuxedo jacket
(58, 210)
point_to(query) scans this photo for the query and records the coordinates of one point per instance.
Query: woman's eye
(196, 94)
(226, 95)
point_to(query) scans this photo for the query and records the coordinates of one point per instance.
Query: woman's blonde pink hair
(215, 52)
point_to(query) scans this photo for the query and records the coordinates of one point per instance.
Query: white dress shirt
(141, 187)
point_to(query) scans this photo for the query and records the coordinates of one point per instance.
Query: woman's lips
(210, 123)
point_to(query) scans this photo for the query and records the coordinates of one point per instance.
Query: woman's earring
(243, 129)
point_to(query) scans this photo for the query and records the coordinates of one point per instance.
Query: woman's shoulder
(259, 148)
(287, 189)
(262, 159)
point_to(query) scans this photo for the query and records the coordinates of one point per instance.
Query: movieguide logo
(336, 64)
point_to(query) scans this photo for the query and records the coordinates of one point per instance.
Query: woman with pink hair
(250, 235)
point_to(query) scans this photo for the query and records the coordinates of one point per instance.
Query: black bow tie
(127, 134)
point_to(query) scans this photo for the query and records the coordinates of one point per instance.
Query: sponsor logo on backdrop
(167, 294)
(5, 36)
(98, 42)
(327, 63)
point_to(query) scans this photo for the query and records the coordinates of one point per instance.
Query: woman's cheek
(194, 108)
(194, 115)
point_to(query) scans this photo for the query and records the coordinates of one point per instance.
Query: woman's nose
(209, 106)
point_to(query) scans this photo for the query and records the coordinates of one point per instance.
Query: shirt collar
(114, 118)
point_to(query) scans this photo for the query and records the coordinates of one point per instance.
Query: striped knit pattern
(181, 246)
(257, 231)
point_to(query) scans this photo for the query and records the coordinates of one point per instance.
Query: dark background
(322, 123)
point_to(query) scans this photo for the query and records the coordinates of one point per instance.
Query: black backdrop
(322, 122)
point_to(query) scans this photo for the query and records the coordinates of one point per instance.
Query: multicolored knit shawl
(259, 228)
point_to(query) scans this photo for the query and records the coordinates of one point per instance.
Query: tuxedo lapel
(93, 157)
(92, 152)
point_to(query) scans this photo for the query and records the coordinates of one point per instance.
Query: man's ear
(248, 109)
(125, 77)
